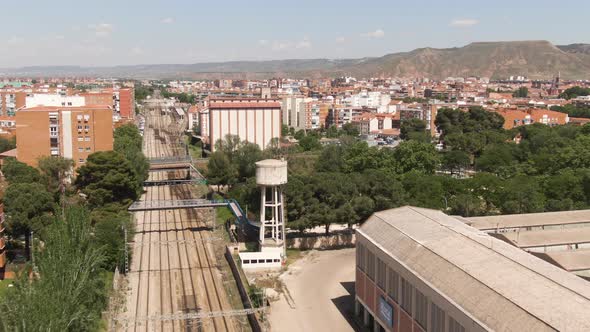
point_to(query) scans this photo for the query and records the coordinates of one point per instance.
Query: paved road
(321, 287)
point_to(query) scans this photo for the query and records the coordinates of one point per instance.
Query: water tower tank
(271, 172)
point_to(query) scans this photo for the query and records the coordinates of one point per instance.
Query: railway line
(174, 280)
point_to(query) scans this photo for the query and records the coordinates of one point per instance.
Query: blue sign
(385, 311)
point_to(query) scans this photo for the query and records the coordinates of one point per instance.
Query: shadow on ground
(345, 305)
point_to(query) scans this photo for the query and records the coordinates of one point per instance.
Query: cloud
(167, 20)
(374, 34)
(101, 29)
(277, 45)
(340, 40)
(464, 22)
(59, 37)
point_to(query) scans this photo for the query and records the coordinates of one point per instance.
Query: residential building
(54, 100)
(421, 270)
(70, 132)
(125, 103)
(294, 112)
(515, 118)
(10, 101)
(256, 120)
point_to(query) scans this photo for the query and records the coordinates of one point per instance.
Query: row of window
(83, 138)
(404, 293)
(82, 149)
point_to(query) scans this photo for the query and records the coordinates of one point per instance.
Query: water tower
(271, 175)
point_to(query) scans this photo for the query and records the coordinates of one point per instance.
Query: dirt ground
(319, 294)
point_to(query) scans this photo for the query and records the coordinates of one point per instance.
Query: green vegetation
(7, 144)
(574, 92)
(521, 92)
(66, 291)
(573, 110)
(142, 92)
(182, 97)
(81, 240)
(481, 171)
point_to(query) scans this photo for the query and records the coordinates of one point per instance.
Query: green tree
(521, 92)
(455, 161)
(7, 144)
(416, 156)
(411, 126)
(55, 171)
(350, 130)
(68, 293)
(108, 177)
(522, 194)
(574, 92)
(310, 143)
(28, 207)
(220, 169)
(17, 172)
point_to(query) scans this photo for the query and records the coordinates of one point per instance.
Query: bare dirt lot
(319, 293)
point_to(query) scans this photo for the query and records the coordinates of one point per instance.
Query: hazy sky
(107, 32)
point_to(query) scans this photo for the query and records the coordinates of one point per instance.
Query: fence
(252, 319)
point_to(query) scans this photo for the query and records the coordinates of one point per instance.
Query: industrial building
(256, 120)
(561, 238)
(421, 270)
(70, 132)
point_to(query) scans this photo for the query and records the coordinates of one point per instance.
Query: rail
(232, 204)
(170, 160)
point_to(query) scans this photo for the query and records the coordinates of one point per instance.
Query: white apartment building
(293, 110)
(54, 100)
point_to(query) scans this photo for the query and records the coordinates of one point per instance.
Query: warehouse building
(256, 120)
(421, 270)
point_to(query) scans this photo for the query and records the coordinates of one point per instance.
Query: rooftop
(551, 237)
(498, 285)
(530, 219)
(571, 260)
(66, 108)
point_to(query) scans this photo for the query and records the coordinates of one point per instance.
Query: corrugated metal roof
(503, 287)
(551, 237)
(530, 219)
(571, 260)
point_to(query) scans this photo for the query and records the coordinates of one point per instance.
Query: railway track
(174, 277)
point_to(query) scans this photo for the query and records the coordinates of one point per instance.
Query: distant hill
(534, 59)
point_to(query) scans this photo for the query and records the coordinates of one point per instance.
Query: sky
(133, 32)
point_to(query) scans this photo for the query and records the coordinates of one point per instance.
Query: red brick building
(422, 270)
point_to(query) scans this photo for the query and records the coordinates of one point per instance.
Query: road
(173, 269)
(321, 287)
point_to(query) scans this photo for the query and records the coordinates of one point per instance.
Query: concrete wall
(333, 241)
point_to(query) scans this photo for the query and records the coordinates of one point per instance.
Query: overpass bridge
(175, 204)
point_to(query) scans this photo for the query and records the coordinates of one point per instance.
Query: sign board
(385, 311)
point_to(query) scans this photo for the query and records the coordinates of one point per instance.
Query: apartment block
(70, 132)
(10, 101)
(125, 103)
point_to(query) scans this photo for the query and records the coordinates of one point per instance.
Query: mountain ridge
(536, 59)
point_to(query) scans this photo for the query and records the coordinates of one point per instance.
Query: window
(421, 312)
(88, 149)
(360, 257)
(269, 260)
(80, 139)
(437, 318)
(80, 149)
(87, 138)
(246, 261)
(406, 301)
(81, 160)
(381, 274)
(371, 265)
(454, 326)
(69, 103)
(392, 285)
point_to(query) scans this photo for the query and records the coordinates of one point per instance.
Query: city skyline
(153, 32)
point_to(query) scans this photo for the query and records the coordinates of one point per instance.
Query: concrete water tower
(271, 175)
